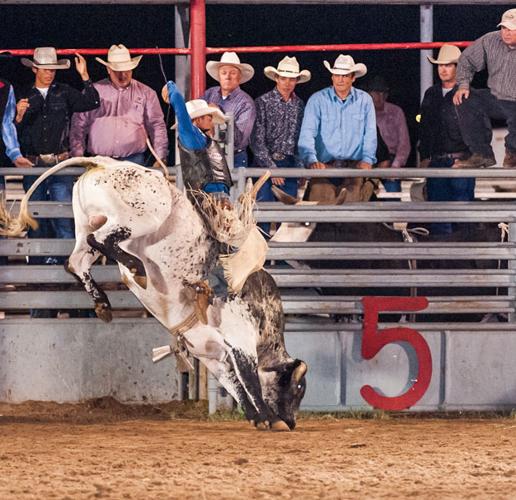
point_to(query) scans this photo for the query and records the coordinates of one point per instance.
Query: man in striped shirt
(495, 51)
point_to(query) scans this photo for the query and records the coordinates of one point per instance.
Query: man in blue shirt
(339, 131)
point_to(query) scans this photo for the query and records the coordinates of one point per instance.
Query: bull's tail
(14, 225)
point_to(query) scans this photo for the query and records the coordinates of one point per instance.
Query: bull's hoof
(262, 426)
(279, 426)
(103, 311)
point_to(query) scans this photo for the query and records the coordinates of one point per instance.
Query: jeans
(475, 124)
(240, 159)
(458, 189)
(392, 185)
(55, 188)
(290, 187)
(138, 158)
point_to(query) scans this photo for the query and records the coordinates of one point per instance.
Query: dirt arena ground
(104, 450)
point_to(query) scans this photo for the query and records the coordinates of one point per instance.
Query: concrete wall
(472, 370)
(72, 360)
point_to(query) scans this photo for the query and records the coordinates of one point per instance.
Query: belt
(49, 159)
(459, 155)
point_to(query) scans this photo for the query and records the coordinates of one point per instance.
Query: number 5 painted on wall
(374, 340)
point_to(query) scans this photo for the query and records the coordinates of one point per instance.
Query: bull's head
(283, 389)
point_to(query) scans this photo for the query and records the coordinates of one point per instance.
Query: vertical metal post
(511, 264)
(426, 19)
(198, 46)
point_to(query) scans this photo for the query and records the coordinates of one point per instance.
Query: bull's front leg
(237, 373)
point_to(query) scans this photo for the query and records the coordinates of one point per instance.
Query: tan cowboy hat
(46, 58)
(344, 65)
(509, 19)
(230, 59)
(288, 67)
(119, 59)
(448, 54)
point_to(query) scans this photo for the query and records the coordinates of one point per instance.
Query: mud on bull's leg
(110, 247)
(246, 369)
(79, 265)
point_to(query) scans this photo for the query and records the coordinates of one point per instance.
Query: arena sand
(105, 450)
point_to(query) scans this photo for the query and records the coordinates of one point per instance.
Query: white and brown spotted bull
(135, 216)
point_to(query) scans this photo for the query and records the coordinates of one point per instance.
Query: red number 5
(374, 340)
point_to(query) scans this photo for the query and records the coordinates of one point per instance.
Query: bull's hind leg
(108, 240)
(79, 265)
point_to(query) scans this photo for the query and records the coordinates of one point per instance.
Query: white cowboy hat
(448, 54)
(288, 67)
(509, 19)
(46, 58)
(119, 59)
(344, 65)
(230, 59)
(197, 108)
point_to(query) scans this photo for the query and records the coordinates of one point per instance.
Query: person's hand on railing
(363, 165)
(22, 162)
(424, 163)
(317, 165)
(278, 181)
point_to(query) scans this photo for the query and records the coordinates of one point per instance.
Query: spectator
(43, 117)
(441, 143)
(392, 123)
(339, 131)
(202, 160)
(279, 114)
(231, 99)
(495, 51)
(129, 112)
(9, 145)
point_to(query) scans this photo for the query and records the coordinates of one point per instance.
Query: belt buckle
(278, 156)
(48, 158)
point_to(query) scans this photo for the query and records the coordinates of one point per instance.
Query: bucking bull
(135, 216)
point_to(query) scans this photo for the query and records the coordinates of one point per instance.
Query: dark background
(93, 26)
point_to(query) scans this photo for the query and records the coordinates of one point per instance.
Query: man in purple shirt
(391, 121)
(228, 96)
(129, 112)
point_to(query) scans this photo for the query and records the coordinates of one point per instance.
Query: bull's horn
(299, 372)
(284, 197)
(259, 183)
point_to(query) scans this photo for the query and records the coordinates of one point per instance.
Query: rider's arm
(189, 135)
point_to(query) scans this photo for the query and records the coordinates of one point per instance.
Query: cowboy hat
(288, 67)
(344, 65)
(46, 58)
(509, 19)
(448, 54)
(230, 59)
(119, 59)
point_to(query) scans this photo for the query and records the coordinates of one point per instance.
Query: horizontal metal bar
(124, 299)
(350, 212)
(76, 171)
(298, 278)
(377, 173)
(389, 173)
(312, 250)
(65, 326)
